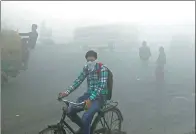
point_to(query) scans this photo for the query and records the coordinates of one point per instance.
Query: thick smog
(129, 67)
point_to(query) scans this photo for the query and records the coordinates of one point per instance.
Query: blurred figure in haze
(161, 61)
(32, 36)
(28, 43)
(144, 53)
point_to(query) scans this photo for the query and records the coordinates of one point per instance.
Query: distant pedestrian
(28, 42)
(144, 54)
(32, 36)
(161, 61)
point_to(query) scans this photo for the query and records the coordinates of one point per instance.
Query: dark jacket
(144, 53)
(32, 38)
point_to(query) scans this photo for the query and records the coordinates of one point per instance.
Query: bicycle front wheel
(110, 121)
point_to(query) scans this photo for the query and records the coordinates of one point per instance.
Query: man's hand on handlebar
(66, 93)
(63, 94)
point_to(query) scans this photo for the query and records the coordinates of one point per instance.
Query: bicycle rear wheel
(106, 124)
(51, 131)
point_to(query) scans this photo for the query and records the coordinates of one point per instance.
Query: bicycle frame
(63, 123)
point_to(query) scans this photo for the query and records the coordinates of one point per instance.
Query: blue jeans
(85, 122)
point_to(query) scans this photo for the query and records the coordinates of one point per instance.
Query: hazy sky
(149, 12)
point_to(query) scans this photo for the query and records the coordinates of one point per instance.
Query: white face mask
(91, 65)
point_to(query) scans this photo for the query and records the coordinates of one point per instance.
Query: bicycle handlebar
(71, 102)
(109, 104)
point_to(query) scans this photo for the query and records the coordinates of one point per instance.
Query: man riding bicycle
(96, 93)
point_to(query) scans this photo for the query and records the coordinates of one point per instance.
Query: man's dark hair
(91, 53)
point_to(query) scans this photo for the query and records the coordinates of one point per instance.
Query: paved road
(29, 101)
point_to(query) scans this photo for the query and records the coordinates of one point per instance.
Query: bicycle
(63, 127)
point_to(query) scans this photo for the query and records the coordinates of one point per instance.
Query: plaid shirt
(97, 83)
